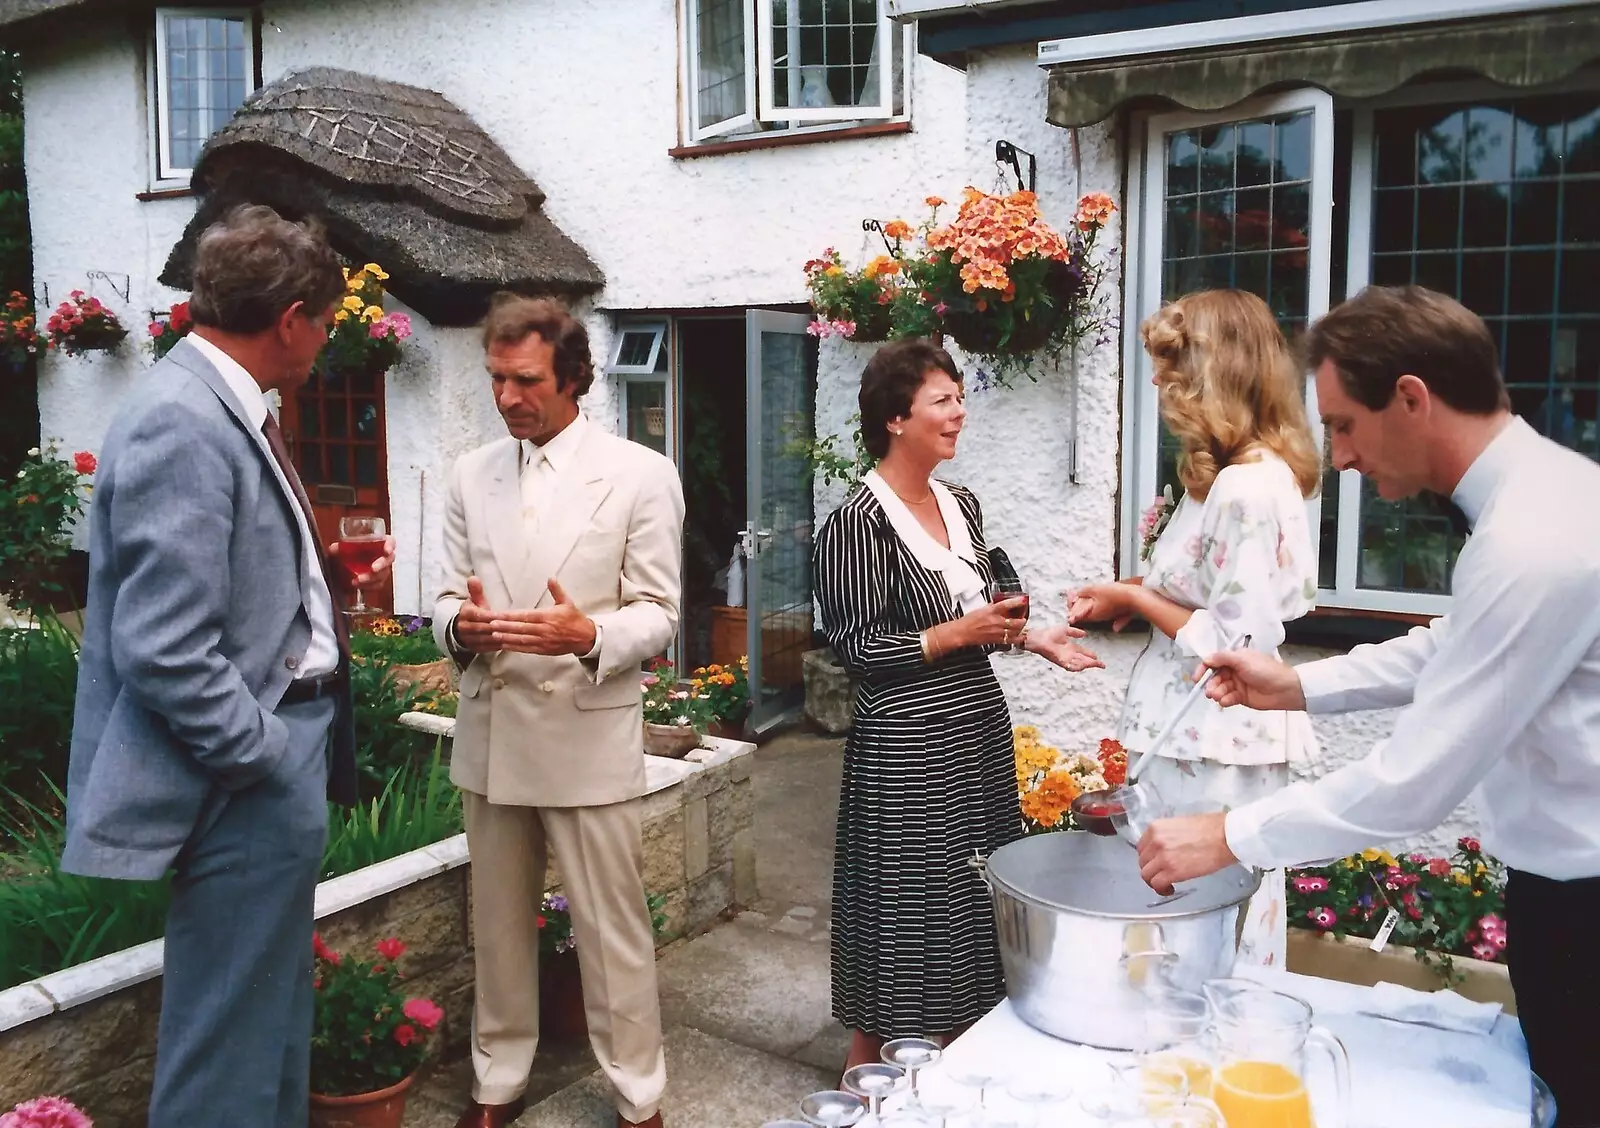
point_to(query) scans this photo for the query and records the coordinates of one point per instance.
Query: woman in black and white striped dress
(903, 579)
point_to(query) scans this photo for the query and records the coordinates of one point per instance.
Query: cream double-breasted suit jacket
(562, 731)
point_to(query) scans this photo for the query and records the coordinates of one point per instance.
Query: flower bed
(1444, 908)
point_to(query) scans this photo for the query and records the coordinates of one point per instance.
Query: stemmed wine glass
(911, 1055)
(873, 1082)
(361, 541)
(1011, 587)
(832, 1108)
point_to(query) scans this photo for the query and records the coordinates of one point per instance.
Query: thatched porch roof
(400, 176)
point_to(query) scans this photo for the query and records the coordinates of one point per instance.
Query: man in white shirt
(561, 576)
(1504, 691)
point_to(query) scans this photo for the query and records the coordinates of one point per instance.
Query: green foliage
(50, 920)
(367, 1034)
(37, 506)
(405, 641)
(38, 683)
(727, 687)
(383, 746)
(416, 808)
(824, 458)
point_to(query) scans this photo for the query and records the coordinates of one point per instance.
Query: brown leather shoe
(491, 1116)
(653, 1122)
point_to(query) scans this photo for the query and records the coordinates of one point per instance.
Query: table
(1402, 1075)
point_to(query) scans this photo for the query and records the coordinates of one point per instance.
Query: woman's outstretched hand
(1055, 644)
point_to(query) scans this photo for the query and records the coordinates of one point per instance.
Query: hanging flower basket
(165, 334)
(364, 340)
(655, 421)
(19, 334)
(82, 325)
(856, 304)
(981, 330)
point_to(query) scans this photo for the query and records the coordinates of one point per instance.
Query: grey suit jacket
(194, 627)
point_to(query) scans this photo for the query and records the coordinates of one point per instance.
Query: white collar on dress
(967, 588)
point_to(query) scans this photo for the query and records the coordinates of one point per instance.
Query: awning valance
(1523, 50)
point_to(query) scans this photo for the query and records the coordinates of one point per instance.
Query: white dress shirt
(322, 654)
(1504, 691)
(542, 470)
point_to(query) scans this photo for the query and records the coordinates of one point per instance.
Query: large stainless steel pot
(1084, 939)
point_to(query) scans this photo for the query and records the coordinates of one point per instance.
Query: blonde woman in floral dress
(1234, 558)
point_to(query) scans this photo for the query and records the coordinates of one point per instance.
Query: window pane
(207, 79)
(826, 53)
(1224, 227)
(634, 351)
(645, 403)
(366, 465)
(1520, 181)
(722, 61)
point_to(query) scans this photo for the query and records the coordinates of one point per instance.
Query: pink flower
(1470, 845)
(1324, 918)
(424, 1012)
(1439, 867)
(1492, 922)
(401, 324)
(1484, 950)
(648, 680)
(391, 949)
(156, 328)
(84, 462)
(46, 1112)
(1310, 884)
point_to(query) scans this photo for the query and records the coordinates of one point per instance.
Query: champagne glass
(1011, 587)
(361, 541)
(1041, 1096)
(832, 1108)
(873, 1082)
(911, 1055)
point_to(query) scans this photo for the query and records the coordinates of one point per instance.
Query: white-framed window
(1485, 194)
(203, 67)
(641, 365)
(763, 66)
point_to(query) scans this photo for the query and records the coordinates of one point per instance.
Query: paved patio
(745, 1006)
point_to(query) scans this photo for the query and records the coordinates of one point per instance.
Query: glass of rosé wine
(361, 541)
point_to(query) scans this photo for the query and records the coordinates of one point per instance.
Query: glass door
(780, 368)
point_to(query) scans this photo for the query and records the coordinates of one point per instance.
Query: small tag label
(1382, 938)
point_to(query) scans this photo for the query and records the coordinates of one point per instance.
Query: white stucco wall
(1014, 452)
(584, 99)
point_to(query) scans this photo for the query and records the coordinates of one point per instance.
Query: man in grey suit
(213, 711)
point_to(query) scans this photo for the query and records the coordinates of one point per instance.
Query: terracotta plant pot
(561, 1016)
(727, 730)
(385, 1108)
(672, 741)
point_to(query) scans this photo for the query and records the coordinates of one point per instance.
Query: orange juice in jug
(1261, 1094)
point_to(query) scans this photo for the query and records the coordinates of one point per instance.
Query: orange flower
(1094, 210)
(934, 201)
(897, 229)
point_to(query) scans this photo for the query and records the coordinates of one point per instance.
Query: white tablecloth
(1402, 1075)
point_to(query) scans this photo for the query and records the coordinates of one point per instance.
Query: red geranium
(366, 1035)
(391, 949)
(424, 1012)
(84, 462)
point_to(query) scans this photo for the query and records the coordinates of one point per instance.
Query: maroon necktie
(280, 451)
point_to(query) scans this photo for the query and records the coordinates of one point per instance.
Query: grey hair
(252, 264)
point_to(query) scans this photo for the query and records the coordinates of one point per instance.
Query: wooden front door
(335, 430)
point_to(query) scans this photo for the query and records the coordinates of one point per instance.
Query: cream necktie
(535, 478)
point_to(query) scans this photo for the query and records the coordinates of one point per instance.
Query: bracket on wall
(874, 225)
(121, 291)
(1005, 153)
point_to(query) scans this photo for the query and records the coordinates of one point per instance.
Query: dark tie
(280, 451)
(1458, 520)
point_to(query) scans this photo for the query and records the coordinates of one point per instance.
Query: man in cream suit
(561, 576)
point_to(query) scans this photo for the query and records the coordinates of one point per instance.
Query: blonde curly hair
(1228, 385)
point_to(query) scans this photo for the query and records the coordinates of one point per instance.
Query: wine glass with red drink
(361, 544)
(1011, 587)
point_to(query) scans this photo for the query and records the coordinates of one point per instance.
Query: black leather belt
(311, 689)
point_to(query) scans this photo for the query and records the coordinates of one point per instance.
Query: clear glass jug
(1178, 1033)
(1261, 1041)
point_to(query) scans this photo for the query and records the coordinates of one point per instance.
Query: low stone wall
(1350, 959)
(89, 1032)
